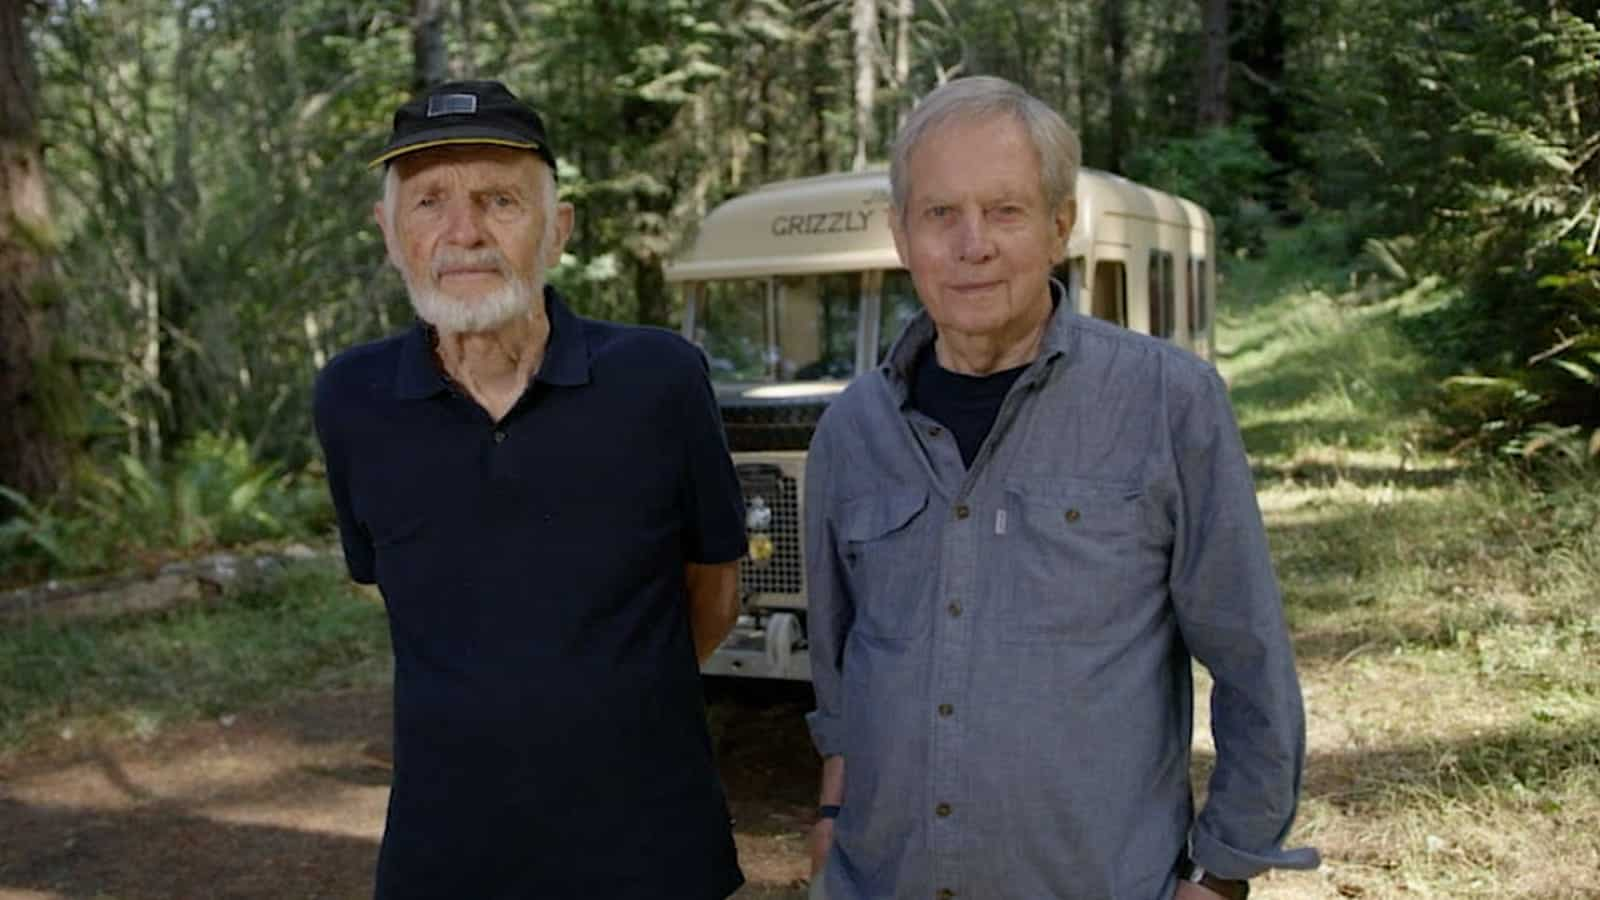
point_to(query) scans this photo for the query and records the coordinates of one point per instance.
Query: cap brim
(423, 142)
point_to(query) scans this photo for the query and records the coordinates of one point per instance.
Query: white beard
(453, 315)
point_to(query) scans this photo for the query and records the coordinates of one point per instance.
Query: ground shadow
(154, 853)
(1382, 779)
(764, 752)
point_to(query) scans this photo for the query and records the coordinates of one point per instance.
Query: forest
(186, 235)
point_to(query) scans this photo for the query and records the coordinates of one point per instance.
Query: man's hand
(821, 841)
(1188, 890)
(831, 794)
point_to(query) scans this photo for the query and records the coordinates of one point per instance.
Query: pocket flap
(871, 517)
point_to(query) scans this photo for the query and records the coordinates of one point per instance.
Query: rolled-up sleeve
(829, 610)
(1230, 613)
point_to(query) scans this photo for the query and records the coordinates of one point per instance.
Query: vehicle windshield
(790, 328)
(898, 307)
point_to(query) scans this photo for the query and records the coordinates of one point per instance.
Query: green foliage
(207, 165)
(36, 533)
(1471, 130)
(1224, 170)
(212, 494)
(1538, 394)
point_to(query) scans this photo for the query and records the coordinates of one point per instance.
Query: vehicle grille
(772, 506)
(770, 427)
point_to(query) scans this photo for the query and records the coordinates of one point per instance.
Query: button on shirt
(1002, 653)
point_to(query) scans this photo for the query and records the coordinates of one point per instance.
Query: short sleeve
(358, 554)
(714, 527)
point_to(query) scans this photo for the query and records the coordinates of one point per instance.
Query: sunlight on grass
(1446, 615)
(1310, 369)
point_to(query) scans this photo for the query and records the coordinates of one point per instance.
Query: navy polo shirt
(550, 737)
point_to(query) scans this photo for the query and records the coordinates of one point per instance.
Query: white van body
(795, 288)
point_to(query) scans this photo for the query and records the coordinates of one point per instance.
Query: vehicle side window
(1163, 290)
(1109, 300)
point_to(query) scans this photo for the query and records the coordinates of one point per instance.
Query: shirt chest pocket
(1077, 570)
(886, 554)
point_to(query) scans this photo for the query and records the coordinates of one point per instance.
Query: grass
(308, 631)
(1446, 613)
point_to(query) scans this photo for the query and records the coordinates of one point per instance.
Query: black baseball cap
(465, 112)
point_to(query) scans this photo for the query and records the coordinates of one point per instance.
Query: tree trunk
(460, 67)
(32, 458)
(864, 28)
(904, 10)
(1212, 101)
(652, 298)
(430, 64)
(1115, 26)
(1262, 50)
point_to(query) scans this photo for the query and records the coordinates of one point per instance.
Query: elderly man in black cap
(549, 509)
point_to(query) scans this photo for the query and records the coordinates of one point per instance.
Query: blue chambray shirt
(1002, 654)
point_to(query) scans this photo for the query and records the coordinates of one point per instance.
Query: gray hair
(391, 194)
(976, 99)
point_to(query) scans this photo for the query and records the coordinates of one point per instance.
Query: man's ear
(1065, 217)
(566, 218)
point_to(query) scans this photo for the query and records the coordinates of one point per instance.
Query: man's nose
(464, 224)
(976, 243)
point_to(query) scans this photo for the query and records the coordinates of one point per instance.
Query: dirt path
(287, 803)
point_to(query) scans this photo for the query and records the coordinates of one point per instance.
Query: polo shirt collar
(899, 367)
(566, 354)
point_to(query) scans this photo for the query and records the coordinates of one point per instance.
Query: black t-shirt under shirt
(965, 404)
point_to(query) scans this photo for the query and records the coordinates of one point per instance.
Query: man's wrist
(828, 811)
(1230, 888)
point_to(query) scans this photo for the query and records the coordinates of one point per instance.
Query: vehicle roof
(840, 223)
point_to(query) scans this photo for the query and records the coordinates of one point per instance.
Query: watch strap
(1195, 873)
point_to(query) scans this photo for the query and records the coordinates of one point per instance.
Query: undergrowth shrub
(211, 494)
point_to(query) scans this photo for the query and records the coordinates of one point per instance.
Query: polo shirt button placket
(499, 435)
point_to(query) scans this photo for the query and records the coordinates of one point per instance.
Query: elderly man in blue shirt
(1022, 528)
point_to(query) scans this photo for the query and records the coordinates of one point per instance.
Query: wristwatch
(1195, 873)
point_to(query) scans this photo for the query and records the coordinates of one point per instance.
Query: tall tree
(32, 457)
(1114, 26)
(864, 30)
(904, 11)
(1263, 38)
(1212, 101)
(430, 60)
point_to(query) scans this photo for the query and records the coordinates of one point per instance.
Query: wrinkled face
(473, 229)
(976, 234)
